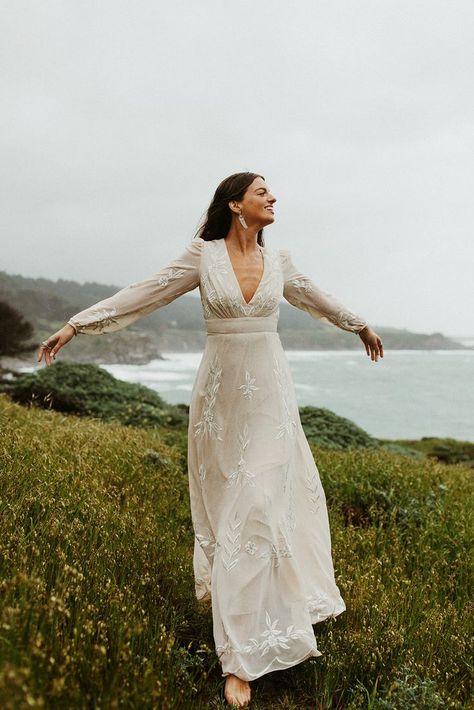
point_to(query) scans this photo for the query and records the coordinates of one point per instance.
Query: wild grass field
(96, 587)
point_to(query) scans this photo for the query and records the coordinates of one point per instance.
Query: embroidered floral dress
(262, 547)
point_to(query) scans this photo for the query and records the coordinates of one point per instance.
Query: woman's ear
(234, 207)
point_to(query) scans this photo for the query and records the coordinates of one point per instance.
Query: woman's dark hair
(218, 217)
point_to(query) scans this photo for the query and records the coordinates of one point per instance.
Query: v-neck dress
(262, 546)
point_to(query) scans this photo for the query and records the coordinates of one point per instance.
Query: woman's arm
(129, 304)
(139, 299)
(302, 292)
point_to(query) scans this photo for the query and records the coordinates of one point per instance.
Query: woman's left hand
(372, 342)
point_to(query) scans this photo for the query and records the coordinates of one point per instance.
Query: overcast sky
(119, 119)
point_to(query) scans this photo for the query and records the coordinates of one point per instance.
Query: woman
(262, 548)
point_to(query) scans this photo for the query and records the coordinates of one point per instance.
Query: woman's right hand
(54, 343)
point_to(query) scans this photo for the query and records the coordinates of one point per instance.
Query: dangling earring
(242, 221)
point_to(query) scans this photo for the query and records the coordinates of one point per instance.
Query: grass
(97, 606)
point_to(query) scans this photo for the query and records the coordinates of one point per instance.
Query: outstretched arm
(139, 299)
(135, 301)
(302, 292)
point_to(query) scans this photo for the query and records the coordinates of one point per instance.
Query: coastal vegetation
(97, 605)
(15, 331)
(88, 390)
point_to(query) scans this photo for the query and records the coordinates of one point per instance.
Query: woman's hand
(372, 342)
(50, 347)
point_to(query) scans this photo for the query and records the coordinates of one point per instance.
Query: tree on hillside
(14, 331)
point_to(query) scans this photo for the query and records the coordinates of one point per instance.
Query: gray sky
(119, 119)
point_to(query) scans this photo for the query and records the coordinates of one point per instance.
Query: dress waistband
(246, 324)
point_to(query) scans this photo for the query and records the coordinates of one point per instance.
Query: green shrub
(409, 692)
(89, 390)
(324, 428)
(446, 449)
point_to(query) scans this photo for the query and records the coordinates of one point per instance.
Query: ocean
(408, 394)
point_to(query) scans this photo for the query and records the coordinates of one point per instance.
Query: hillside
(177, 327)
(98, 608)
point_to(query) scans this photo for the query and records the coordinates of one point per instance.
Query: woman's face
(257, 204)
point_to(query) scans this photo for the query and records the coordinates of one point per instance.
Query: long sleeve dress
(262, 547)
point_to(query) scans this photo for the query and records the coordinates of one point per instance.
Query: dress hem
(313, 652)
(323, 616)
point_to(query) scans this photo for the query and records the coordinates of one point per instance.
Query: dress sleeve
(139, 299)
(303, 293)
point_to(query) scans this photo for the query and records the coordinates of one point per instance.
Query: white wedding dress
(262, 547)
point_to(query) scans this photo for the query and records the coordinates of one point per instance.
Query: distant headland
(179, 326)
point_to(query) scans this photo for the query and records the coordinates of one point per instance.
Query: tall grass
(96, 588)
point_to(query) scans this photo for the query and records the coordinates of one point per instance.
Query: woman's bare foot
(237, 691)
